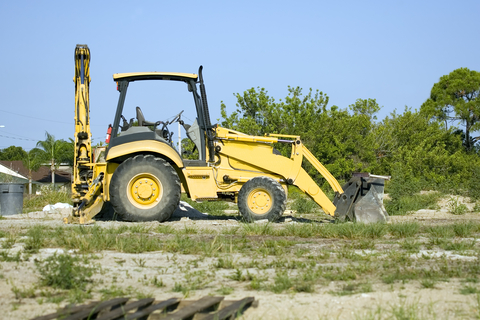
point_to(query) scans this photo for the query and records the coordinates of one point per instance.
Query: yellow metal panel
(307, 185)
(325, 173)
(228, 134)
(201, 183)
(111, 167)
(150, 146)
(282, 135)
(258, 155)
(242, 165)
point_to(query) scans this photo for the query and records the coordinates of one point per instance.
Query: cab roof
(135, 76)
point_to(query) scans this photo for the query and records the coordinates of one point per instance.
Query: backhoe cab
(143, 173)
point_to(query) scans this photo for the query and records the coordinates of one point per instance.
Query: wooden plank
(67, 311)
(96, 309)
(192, 309)
(122, 310)
(147, 311)
(227, 312)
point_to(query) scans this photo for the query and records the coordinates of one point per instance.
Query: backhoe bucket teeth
(362, 200)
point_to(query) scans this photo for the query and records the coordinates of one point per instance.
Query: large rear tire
(261, 198)
(145, 188)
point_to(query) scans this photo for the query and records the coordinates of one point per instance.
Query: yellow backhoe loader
(143, 175)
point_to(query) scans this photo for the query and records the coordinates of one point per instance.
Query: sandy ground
(132, 270)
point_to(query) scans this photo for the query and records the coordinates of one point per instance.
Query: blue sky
(392, 51)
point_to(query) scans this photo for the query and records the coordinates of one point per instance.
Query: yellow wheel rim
(144, 191)
(260, 201)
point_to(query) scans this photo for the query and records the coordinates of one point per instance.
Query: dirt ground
(444, 301)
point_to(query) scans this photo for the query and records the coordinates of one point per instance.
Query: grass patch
(64, 271)
(443, 231)
(284, 282)
(404, 204)
(460, 245)
(212, 208)
(354, 288)
(115, 292)
(10, 238)
(37, 238)
(464, 229)
(428, 283)
(225, 291)
(225, 263)
(24, 292)
(404, 229)
(410, 245)
(469, 289)
(304, 205)
(279, 258)
(456, 207)
(6, 257)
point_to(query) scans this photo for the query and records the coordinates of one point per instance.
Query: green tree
(340, 140)
(55, 151)
(12, 153)
(432, 156)
(32, 162)
(366, 108)
(456, 98)
(257, 113)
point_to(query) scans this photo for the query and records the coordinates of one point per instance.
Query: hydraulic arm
(82, 169)
(361, 199)
(87, 176)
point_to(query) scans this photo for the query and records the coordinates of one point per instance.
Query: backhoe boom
(83, 149)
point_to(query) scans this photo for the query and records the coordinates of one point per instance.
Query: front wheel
(261, 198)
(145, 188)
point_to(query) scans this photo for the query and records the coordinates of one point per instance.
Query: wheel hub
(259, 201)
(144, 190)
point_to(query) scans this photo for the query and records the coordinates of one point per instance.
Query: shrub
(47, 196)
(64, 271)
(404, 204)
(455, 207)
(304, 205)
(474, 183)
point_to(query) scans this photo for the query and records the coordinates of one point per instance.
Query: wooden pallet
(206, 308)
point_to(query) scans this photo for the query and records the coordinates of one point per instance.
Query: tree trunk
(467, 135)
(52, 169)
(30, 181)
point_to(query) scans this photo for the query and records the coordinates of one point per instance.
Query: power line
(48, 120)
(26, 139)
(22, 115)
(3, 131)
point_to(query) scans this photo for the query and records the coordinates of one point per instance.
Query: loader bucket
(362, 200)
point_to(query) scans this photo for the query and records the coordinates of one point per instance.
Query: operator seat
(141, 119)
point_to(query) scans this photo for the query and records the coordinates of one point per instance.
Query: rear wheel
(145, 188)
(261, 198)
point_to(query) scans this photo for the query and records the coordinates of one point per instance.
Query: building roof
(42, 175)
(11, 172)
